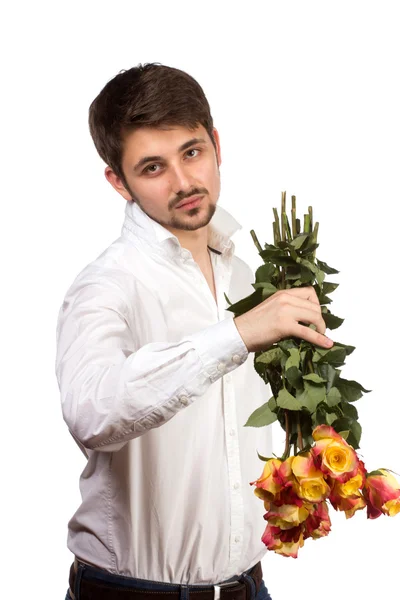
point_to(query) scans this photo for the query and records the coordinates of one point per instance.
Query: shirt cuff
(220, 347)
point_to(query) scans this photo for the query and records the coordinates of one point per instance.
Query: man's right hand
(280, 316)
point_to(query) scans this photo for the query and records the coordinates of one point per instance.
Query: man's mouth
(190, 202)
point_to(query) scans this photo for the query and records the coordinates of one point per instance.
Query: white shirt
(156, 385)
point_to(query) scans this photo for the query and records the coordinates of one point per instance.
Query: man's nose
(180, 178)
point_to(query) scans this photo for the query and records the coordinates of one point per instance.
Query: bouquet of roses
(313, 404)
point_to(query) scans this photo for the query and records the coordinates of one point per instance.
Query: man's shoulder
(109, 273)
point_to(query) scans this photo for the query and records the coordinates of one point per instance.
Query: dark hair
(149, 95)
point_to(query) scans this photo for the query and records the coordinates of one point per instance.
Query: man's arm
(112, 392)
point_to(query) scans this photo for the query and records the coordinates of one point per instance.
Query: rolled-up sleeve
(112, 391)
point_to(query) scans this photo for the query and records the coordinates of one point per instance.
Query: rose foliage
(312, 402)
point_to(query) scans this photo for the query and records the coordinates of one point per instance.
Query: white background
(306, 99)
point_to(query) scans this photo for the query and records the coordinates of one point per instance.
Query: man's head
(153, 128)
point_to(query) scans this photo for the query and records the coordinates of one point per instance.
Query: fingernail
(328, 343)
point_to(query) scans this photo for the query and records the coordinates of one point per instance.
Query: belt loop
(184, 592)
(77, 586)
(217, 592)
(250, 582)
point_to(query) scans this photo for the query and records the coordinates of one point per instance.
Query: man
(156, 377)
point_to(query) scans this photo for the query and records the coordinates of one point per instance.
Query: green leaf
(245, 304)
(271, 357)
(345, 434)
(272, 403)
(286, 345)
(286, 400)
(265, 272)
(294, 378)
(267, 289)
(261, 416)
(312, 396)
(334, 356)
(314, 378)
(320, 276)
(349, 410)
(333, 397)
(374, 473)
(329, 418)
(264, 458)
(227, 299)
(328, 270)
(294, 358)
(328, 288)
(349, 349)
(324, 299)
(331, 321)
(350, 390)
(308, 264)
(329, 373)
(284, 261)
(355, 435)
(299, 241)
(342, 424)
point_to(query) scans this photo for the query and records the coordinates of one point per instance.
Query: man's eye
(148, 169)
(193, 150)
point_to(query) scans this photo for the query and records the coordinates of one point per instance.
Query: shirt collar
(137, 224)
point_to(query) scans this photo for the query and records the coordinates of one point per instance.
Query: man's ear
(116, 182)
(218, 146)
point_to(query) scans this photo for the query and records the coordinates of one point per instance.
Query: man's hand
(279, 317)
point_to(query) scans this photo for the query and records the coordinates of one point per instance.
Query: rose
(310, 484)
(346, 496)
(286, 516)
(333, 455)
(286, 543)
(275, 483)
(318, 523)
(382, 494)
(268, 485)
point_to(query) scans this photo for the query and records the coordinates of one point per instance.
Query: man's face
(164, 167)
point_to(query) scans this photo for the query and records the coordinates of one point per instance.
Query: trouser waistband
(88, 582)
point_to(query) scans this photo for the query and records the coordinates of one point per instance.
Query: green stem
(310, 214)
(315, 236)
(277, 231)
(287, 445)
(283, 214)
(294, 227)
(255, 240)
(299, 436)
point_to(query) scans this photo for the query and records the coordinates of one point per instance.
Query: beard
(188, 221)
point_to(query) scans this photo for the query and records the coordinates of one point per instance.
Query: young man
(156, 376)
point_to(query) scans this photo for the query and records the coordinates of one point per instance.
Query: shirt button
(228, 378)
(184, 400)
(237, 538)
(221, 368)
(237, 485)
(236, 359)
(232, 432)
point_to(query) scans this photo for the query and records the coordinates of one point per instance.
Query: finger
(302, 303)
(307, 293)
(305, 315)
(305, 333)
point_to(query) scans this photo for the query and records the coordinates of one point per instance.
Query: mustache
(183, 195)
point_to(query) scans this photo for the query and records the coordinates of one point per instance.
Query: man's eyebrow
(184, 146)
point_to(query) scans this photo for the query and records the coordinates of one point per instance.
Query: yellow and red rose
(382, 494)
